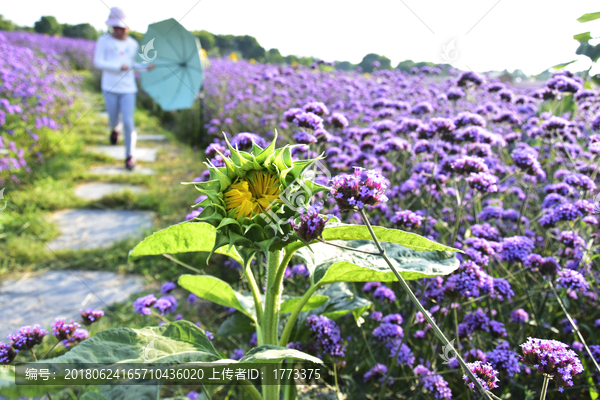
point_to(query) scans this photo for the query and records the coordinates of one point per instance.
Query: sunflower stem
(271, 314)
(273, 295)
(420, 307)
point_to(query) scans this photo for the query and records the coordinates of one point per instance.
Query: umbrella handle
(171, 65)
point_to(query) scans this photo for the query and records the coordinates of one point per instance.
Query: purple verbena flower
(142, 304)
(364, 187)
(311, 224)
(90, 315)
(27, 337)
(552, 358)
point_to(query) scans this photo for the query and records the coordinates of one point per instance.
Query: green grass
(24, 226)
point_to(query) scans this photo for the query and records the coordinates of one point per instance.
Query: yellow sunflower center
(252, 195)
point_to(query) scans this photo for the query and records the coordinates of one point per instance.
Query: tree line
(245, 46)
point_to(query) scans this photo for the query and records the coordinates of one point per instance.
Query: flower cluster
(485, 374)
(327, 335)
(364, 187)
(90, 315)
(27, 337)
(552, 358)
(311, 224)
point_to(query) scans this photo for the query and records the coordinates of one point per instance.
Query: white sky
(531, 35)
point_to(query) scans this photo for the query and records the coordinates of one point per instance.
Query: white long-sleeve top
(109, 56)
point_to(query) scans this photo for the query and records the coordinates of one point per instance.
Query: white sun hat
(117, 18)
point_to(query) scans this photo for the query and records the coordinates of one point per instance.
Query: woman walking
(115, 56)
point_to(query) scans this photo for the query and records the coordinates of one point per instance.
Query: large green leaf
(338, 231)
(328, 264)
(218, 291)
(589, 17)
(289, 304)
(182, 238)
(274, 354)
(179, 342)
(342, 300)
(236, 323)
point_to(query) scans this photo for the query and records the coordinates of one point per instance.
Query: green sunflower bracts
(251, 199)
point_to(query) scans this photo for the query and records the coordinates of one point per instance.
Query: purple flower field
(508, 175)
(36, 89)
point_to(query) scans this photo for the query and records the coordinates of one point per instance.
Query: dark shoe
(129, 163)
(114, 136)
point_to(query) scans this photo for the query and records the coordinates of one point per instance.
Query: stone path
(118, 152)
(87, 229)
(97, 190)
(154, 138)
(39, 299)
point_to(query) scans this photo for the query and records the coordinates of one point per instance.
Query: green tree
(405, 65)
(249, 47)
(48, 24)
(274, 57)
(80, 31)
(5, 24)
(367, 62)
(344, 65)
(225, 43)
(207, 39)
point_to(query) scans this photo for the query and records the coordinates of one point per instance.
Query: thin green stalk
(545, 387)
(252, 390)
(289, 325)
(170, 257)
(420, 307)
(574, 326)
(48, 352)
(347, 248)
(255, 293)
(337, 388)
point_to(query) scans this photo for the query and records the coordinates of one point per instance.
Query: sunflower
(254, 194)
(251, 199)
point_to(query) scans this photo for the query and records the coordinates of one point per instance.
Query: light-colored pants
(124, 104)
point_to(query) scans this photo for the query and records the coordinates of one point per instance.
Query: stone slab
(118, 152)
(38, 299)
(97, 190)
(87, 229)
(114, 170)
(154, 138)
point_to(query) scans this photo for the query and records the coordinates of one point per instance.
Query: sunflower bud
(253, 196)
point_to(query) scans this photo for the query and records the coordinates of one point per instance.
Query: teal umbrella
(177, 78)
